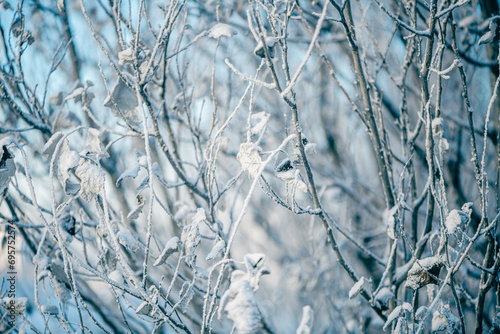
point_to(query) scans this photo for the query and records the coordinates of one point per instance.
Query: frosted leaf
(92, 180)
(7, 168)
(383, 297)
(49, 309)
(240, 306)
(219, 248)
(19, 304)
(65, 120)
(291, 175)
(122, 101)
(250, 159)
(254, 264)
(310, 148)
(191, 238)
(171, 247)
(262, 118)
(399, 328)
(356, 289)
(407, 306)
(61, 292)
(284, 166)
(454, 220)
(144, 308)
(390, 221)
(439, 322)
(50, 145)
(421, 312)
(254, 261)
(201, 273)
(94, 144)
(131, 172)
(159, 174)
(68, 160)
(186, 294)
(222, 30)
(67, 227)
(306, 322)
(134, 214)
(259, 49)
(393, 316)
(41, 261)
(82, 94)
(423, 272)
(490, 35)
(199, 216)
(144, 184)
(128, 240)
(125, 57)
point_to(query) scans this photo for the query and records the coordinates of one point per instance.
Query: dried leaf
(186, 294)
(67, 160)
(171, 247)
(423, 272)
(17, 27)
(219, 248)
(122, 101)
(131, 172)
(134, 214)
(128, 241)
(94, 144)
(361, 284)
(250, 159)
(50, 145)
(490, 35)
(92, 179)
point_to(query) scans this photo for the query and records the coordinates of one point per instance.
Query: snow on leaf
(65, 120)
(125, 57)
(262, 118)
(306, 322)
(407, 306)
(201, 273)
(50, 145)
(128, 240)
(117, 277)
(393, 316)
(240, 306)
(219, 247)
(454, 220)
(383, 296)
(7, 168)
(361, 284)
(49, 309)
(439, 322)
(424, 272)
(222, 30)
(94, 144)
(122, 101)
(92, 180)
(199, 216)
(61, 292)
(131, 172)
(186, 294)
(250, 159)
(171, 247)
(134, 214)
